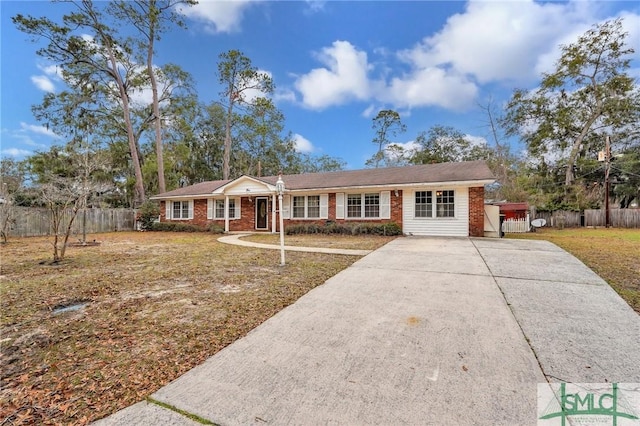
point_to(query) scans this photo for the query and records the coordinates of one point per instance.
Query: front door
(262, 213)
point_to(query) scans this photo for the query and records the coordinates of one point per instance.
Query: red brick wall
(476, 211)
(247, 214)
(396, 213)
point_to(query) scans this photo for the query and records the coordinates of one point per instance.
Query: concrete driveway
(441, 331)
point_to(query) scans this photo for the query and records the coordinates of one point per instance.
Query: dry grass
(362, 242)
(158, 305)
(614, 254)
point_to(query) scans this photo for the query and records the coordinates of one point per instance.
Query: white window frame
(384, 206)
(169, 213)
(305, 207)
(439, 205)
(212, 210)
(429, 209)
(436, 211)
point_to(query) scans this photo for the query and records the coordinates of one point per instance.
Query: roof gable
(245, 185)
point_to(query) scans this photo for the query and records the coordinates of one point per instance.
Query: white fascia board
(182, 197)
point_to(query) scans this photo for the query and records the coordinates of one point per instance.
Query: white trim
(340, 205)
(363, 206)
(226, 213)
(385, 204)
(237, 203)
(324, 206)
(271, 189)
(224, 189)
(286, 207)
(169, 209)
(274, 200)
(237, 207)
(255, 214)
(210, 208)
(305, 207)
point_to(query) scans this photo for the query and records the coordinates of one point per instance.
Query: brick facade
(476, 211)
(247, 214)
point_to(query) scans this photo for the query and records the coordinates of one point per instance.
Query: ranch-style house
(443, 199)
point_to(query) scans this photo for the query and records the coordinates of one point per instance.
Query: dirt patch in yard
(155, 306)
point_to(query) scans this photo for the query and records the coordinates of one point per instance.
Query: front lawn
(154, 306)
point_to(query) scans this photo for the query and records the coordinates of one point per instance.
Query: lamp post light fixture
(280, 191)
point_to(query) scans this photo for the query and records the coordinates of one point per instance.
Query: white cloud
(41, 130)
(43, 83)
(302, 144)
(370, 111)
(407, 146)
(15, 152)
(510, 43)
(218, 16)
(251, 94)
(476, 140)
(52, 71)
(286, 95)
(314, 6)
(343, 79)
(499, 40)
(431, 87)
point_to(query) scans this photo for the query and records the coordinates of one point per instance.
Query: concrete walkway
(235, 239)
(423, 331)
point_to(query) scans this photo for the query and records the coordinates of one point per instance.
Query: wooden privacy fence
(32, 222)
(618, 218)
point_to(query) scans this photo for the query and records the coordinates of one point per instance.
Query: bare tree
(65, 196)
(7, 211)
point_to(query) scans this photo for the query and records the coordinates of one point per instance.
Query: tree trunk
(575, 149)
(139, 196)
(226, 157)
(156, 105)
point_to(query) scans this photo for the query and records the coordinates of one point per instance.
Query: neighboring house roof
(506, 206)
(468, 171)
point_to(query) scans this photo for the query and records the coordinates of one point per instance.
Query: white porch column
(226, 213)
(273, 214)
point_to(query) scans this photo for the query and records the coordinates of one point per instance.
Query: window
(445, 206)
(424, 207)
(354, 205)
(219, 209)
(219, 213)
(306, 207)
(313, 206)
(371, 205)
(180, 210)
(363, 205)
(298, 207)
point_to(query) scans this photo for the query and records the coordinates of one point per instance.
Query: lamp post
(280, 191)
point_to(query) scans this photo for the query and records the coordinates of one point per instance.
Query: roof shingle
(426, 173)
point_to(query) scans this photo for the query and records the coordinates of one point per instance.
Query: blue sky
(336, 64)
